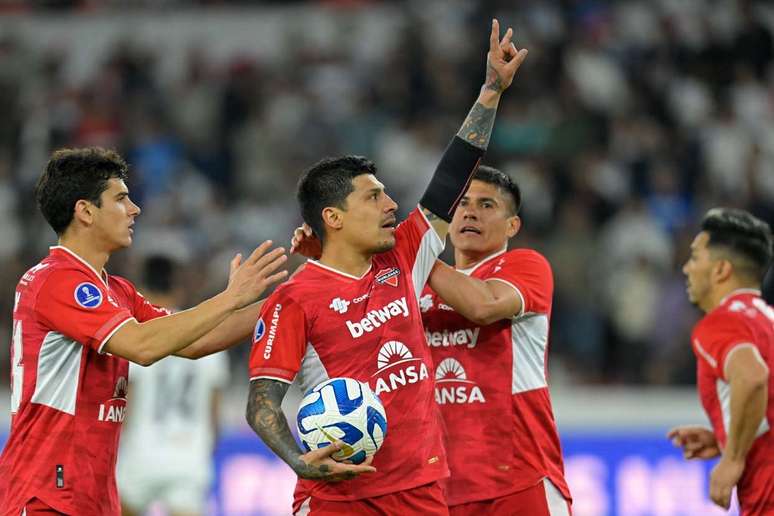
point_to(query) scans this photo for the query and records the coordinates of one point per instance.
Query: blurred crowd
(627, 121)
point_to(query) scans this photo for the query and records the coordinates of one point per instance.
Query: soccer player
(490, 348)
(75, 327)
(355, 313)
(167, 443)
(734, 348)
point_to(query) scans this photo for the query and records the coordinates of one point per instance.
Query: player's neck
(86, 252)
(722, 291)
(345, 260)
(469, 259)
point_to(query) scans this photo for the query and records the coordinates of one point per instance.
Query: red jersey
(324, 324)
(68, 398)
(491, 385)
(741, 319)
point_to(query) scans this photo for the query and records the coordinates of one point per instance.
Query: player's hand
(725, 475)
(305, 243)
(697, 442)
(502, 60)
(318, 465)
(249, 279)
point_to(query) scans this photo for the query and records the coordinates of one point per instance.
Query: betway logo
(376, 318)
(466, 337)
(452, 385)
(397, 367)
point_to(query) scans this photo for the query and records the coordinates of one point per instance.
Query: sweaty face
(369, 220)
(697, 271)
(113, 220)
(482, 222)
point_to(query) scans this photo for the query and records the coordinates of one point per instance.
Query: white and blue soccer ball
(343, 409)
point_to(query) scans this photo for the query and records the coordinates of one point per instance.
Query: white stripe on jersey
(529, 342)
(724, 398)
(59, 365)
(312, 371)
(429, 248)
(557, 505)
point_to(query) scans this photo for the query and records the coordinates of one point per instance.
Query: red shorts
(425, 500)
(542, 499)
(36, 507)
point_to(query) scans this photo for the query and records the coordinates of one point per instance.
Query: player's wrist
(488, 97)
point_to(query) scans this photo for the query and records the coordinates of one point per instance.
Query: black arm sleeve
(451, 178)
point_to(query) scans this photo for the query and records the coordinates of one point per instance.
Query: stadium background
(628, 120)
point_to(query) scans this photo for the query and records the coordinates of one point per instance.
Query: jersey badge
(388, 276)
(88, 295)
(260, 329)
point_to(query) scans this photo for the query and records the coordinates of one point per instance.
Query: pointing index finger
(494, 36)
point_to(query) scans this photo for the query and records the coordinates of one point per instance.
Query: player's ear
(332, 217)
(722, 270)
(514, 225)
(84, 211)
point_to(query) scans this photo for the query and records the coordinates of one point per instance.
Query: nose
(134, 209)
(469, 212)
(391, 205)
(685, 268)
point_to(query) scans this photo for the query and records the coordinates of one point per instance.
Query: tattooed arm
(265, 417)
(464, 153)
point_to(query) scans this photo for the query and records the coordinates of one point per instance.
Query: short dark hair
(158, 274)
(72, 175)
(503, 182)
(328, 183)
(747, 238)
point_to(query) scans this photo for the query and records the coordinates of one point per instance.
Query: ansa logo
(114, 409)
(452, 385)
(396, 368)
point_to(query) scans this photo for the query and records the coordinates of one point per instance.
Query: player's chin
(385, 245)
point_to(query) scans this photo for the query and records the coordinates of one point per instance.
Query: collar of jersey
(739, 292)
(72, 254)
(475, 266)
(338, 272)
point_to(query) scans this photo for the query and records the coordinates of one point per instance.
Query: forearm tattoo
(477, 127)
(265, 417)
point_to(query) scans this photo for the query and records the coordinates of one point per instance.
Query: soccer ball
(343, 409)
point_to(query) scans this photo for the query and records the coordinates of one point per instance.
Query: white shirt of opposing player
(169, 421)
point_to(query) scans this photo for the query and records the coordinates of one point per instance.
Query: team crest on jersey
(260, 329)
(388, 276)
(88, 295)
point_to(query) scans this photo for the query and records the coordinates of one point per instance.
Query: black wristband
(451, 178)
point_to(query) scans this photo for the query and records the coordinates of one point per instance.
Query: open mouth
(470, 229)
(390, 224)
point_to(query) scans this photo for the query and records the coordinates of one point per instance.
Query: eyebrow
(374, 190)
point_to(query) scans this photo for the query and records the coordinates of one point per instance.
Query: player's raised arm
(146, 342)
(466, 149)
(264, 415)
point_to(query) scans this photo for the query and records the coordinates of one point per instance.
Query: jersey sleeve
(418, 246)
(279, 340)
(142, 309)
(529, 273)
(72, 303)
(716, 335)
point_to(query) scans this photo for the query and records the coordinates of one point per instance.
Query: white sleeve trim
(267, 377)
(739, 346)
(113, 332)
(518, 292)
